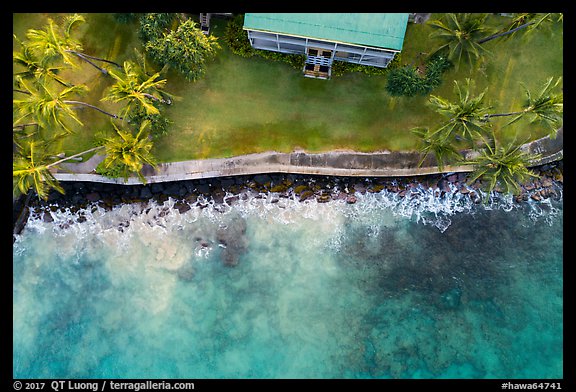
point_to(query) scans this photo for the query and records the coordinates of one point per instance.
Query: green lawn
(252, 105)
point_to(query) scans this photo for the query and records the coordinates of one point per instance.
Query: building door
(318, 63)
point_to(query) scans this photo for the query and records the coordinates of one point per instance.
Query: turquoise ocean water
(384, 288)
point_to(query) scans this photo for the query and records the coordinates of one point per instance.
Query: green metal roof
(378, 30)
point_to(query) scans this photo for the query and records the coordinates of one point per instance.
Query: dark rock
(402, 193)
(229, 258)
(536, 196)
(462, 177)
(559, 177)
(191, 198)
(80, 186)
(156, 188)
(323, 198)
(529, 186)
(145, 193)
(226, 182)
(443, 186)
(182, 207)
(376, 188)
(360, 188)
(452, 178)
(306, 195)
(186, 272)
(161, 197)
(279, 188)
(300, 188)
(262, 179)
(231, 200)
(203, 189)
(93, 196)
(54, 196)
(189, 185)
(218, 196)
(351, 199)
(233, 240)
(135, 191)
(77, 199)
(172, 189)
(546, 182)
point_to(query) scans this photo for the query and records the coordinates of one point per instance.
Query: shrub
(237, 38)
(185, 49)
(153, 25)
(114, 171)
(435, 67)
(407, 82)
(294, 60)
(340, 68)
(159, 123)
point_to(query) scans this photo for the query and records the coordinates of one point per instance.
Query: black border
(567, 381)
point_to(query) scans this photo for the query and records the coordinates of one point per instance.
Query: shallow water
(384, 288)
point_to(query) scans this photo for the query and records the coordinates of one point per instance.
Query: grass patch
(249, 105)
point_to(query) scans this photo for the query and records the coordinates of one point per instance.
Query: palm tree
(31, 168)
(465, 116)
(522, 21)
(506, 166)
(545, 107)
(129, 152)
(459, 35)
(57, 43)
(50, 108)
(34, 68)
(137, 89)
(442, 148)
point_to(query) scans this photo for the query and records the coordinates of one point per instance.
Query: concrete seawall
(335, 163)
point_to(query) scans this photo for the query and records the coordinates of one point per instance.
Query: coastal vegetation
(175, 41)
(468, 120)
(42, 117)
(232, 99)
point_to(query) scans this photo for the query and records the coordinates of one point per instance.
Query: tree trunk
(156, 99)
(80, 55)
(93, 107)
(490, 38)
(101, 59)
(22, 126)
(21, 91)
(63, 83)
(73, 156)
(487, 116)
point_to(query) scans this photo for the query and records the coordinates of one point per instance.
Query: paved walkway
(334, 163)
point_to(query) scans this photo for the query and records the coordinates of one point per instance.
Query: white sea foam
(423, 205)
(108, 293)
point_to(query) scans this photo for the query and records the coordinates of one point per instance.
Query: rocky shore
(199, 193)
